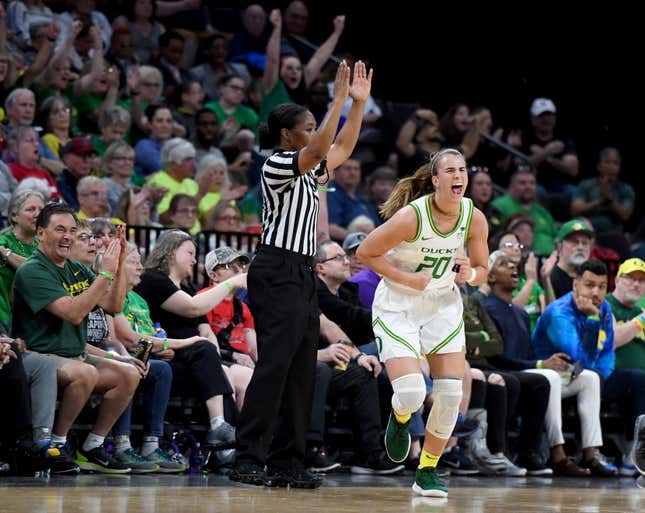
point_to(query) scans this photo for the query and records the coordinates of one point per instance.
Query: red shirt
(21, 172)
(222, 315)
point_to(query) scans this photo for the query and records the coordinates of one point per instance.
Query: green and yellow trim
(379, 322)
(434, 227)
(418, 213)
(471, 208)
(448, 338)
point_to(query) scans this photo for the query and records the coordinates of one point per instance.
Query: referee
(282, 284)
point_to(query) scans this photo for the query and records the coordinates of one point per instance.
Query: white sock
(58, 440)
(93, 441)
(216, 422)
(123, 444)
(150, 445)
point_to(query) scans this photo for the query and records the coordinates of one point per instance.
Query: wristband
(484, 335)
(593, 318)
(108, 355)
(165, 344)
(228, 286)
(473, 275)
(640, 321)
(107, 275)
(538, 364)
(8, 253)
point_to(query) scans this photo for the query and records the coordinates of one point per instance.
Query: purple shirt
(367, 281)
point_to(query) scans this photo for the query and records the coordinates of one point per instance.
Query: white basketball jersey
(430, 249)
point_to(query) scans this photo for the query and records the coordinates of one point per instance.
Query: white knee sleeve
(447, 393)
(409, 393)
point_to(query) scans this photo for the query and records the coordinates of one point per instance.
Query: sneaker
(319, 461)
(222, 434)
(4, 467)
(512, 470)
(377, 465)
(223, 457)
(638, 454)
(534, 465)
(138, 464)
(457, 462)
(249, 473)
(566, 467)
(65, 463)
(298, 478)
(397, 439)
(165, 462)
(464, 426)
(428, 483)
(627, 467)
(99, 460)
(598, 468)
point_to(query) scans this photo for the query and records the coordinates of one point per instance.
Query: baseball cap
(79, 145)
(353, 240)
(574, 226)
(542, 105)
(631, 265)
(221, 256)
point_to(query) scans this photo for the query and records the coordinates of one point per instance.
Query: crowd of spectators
(147, 115)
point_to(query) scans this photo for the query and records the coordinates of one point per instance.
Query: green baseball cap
(574, 226)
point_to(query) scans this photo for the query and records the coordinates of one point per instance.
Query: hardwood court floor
(340, 494)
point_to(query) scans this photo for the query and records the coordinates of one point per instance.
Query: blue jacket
(564, 328)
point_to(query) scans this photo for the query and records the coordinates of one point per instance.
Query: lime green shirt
(137, 313)
(532, 306)
(186, 186)
(9, 241)
(209, 200)
(544, 232)
(632, 354)
(38, 283)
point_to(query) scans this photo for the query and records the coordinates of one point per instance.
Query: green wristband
(165, 344)
(108, 355)
(228, 286)
(538, 364)
(107, 275)
(593, 317)
(484, 335)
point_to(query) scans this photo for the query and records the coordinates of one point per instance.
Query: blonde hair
(413, 187)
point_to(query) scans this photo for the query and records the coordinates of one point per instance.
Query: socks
(93, 441)
(428, 460)
(402, 419)
(217, 422)
(58, 440)
(122, 444)
(150, 445)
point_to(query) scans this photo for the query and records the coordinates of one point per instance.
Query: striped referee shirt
(290, 204)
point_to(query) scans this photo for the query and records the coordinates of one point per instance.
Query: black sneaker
(378, 464)
(457, 462)
(249, 473)
(464, 426)
(299, 478)
(534, 465)
(319, 461)
(99, 460)
(64, 463)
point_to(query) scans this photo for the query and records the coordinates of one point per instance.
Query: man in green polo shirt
(521, 199)
(53, 296)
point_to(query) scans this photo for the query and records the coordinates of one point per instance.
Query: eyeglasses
(516, 245)
(473, 170)
(151, 84)
(55, 112)
(633, 279)
(342, 257)
(85, 237)
(229, 218)
(237, 88)
(123, 158)
(96, 194)
(235, 266)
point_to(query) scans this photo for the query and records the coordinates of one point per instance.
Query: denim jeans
(156, 392)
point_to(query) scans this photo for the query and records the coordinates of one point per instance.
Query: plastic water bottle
(159, 331)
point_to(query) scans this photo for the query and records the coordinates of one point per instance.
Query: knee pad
(409, 393)
(447, 395)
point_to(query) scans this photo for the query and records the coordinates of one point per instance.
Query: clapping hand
(362, 83)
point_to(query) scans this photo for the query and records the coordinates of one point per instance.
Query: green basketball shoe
(428, 483)
(397, 439)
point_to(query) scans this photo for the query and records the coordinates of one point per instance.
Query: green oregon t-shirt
(632, 354)
(9, 241)
(137, 313)
(39, 282)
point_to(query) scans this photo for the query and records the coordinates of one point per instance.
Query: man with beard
(522, 199)
(581, 325)
(575, 241)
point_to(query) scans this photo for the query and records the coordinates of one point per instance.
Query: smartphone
(578, 367)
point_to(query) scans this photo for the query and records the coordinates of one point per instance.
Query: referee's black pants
(273, 423)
